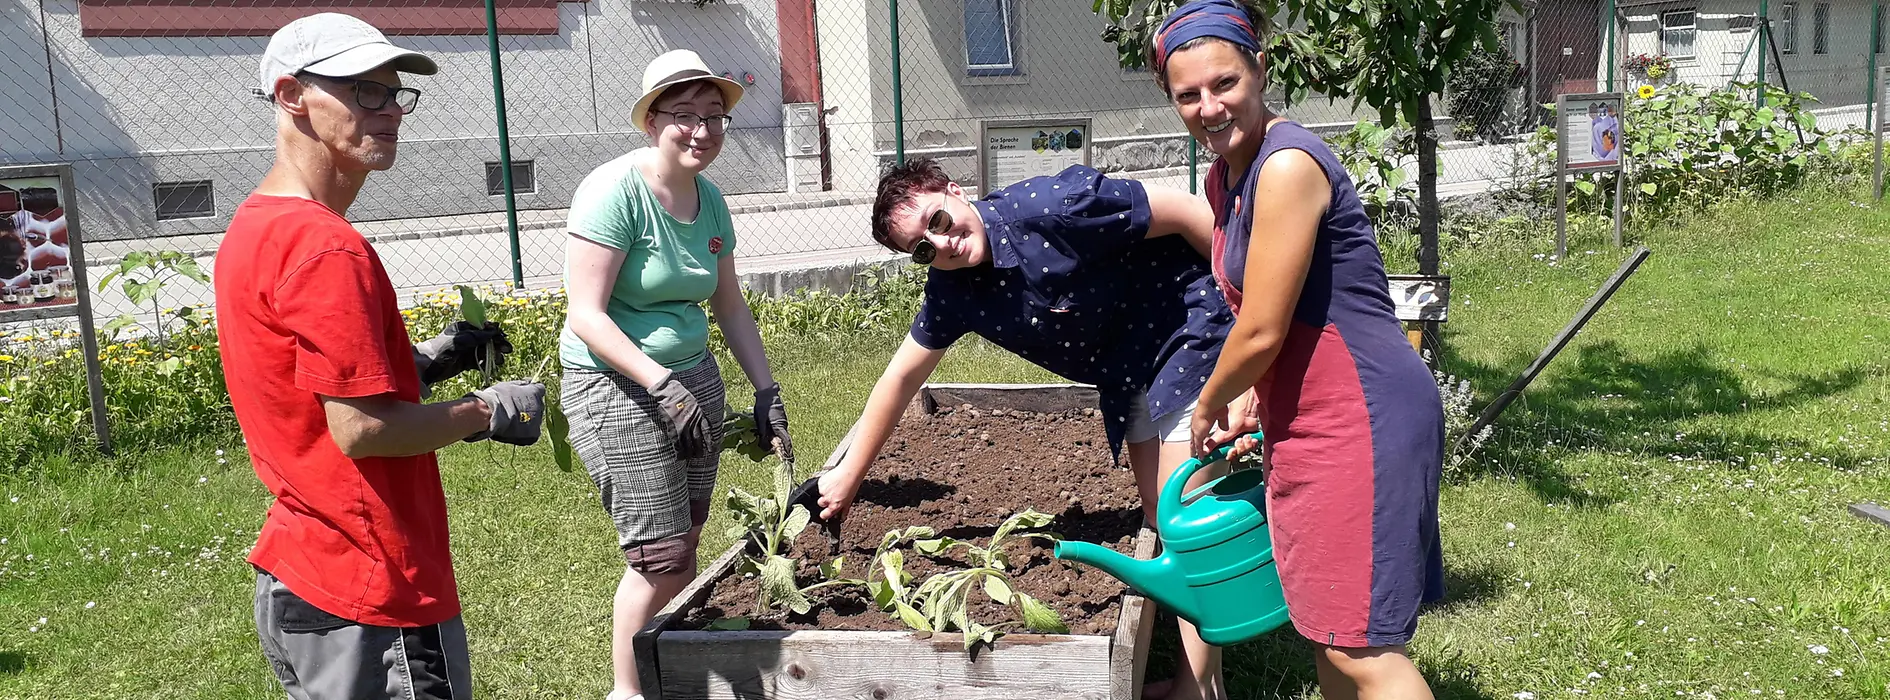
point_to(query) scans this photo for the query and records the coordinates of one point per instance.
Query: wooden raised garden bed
(963, 459)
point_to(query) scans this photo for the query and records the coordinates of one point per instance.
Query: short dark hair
(898, 187)
(1256, 18)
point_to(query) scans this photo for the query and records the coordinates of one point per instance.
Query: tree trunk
(1427, 188)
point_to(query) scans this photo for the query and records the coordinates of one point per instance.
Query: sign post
(1010, 151)
(1589, 138)
(42, 264)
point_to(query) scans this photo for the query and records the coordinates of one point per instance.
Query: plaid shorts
(644, 486)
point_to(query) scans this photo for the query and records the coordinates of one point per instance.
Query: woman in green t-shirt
(651, 239)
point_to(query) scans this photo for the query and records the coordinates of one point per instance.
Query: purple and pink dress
(1354, 425)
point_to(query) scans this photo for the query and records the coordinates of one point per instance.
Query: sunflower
(1646, 92)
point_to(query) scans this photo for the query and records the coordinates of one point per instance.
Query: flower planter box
(694, 664)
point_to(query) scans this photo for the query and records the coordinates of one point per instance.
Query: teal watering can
(1216, 568)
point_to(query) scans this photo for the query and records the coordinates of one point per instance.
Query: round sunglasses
(923, 252)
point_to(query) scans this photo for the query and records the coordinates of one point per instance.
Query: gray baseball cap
(334, 45)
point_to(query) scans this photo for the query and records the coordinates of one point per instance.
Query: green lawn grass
(1661, 516)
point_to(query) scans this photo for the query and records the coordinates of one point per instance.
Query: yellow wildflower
(6, 358)
(1646, 92)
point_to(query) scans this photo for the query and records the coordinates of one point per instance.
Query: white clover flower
(1818, 649)
(91, 604)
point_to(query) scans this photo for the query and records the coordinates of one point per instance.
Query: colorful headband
(1221, 19)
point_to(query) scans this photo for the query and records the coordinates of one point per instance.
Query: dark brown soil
(962, 472)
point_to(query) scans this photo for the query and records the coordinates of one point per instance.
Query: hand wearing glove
(460, 347)
(771, 419)
(682, 418)
(518, 412)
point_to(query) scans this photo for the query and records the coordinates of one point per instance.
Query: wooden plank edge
(1128, 649)
(643, 645)
(952, 639)
(1871, 512)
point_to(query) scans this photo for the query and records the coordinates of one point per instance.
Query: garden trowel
(807, 495)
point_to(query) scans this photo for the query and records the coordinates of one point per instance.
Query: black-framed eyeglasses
(718, 123)
(373, 96)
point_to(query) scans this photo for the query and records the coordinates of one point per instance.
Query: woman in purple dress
(1353, 421)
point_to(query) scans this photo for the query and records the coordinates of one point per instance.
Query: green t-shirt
(668, 271)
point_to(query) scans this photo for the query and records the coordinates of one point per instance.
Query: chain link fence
(152, 103)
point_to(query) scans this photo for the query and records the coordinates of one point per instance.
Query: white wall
(1837, 78)
(134, 111)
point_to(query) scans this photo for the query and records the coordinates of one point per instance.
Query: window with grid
(1821, 28)
(1677, 30)
(1785, 32)
(988, 33)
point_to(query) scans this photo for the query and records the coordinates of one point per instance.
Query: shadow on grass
(1279, 666)
(1468, 587)
(1603, 398)
(12, 663)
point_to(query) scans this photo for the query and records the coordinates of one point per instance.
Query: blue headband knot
(1221, 19)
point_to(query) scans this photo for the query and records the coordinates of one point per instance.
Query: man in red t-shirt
(355, 596)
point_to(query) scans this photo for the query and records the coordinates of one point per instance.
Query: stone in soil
(938, 470)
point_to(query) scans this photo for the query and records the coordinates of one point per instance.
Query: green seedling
(893, 592)
(145, 274)
(941, 603)
(739, 433)
(771, 522)
(473, 310)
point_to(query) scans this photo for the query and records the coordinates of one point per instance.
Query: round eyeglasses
(688, 121)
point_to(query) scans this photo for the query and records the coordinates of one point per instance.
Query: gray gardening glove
(681, 415)
(771, 419)
(518, 412)
(458, 348)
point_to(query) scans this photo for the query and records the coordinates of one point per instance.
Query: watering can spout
(1158, 579)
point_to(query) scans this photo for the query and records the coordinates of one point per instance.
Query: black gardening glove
(459, 348)
(682, 418)
(771, 419)
(518, 412)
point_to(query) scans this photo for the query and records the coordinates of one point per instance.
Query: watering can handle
(1177, 484)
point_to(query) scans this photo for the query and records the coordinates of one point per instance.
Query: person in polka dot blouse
(1102, 281)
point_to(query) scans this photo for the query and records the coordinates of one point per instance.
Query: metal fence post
(1765, 37)
(1610, 15)
(505, 142)
(1870, 92)
(1194, 173)
(899, 93)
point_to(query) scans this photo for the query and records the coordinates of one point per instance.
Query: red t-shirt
(305, 308)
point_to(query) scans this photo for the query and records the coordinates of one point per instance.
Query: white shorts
(1173, 427)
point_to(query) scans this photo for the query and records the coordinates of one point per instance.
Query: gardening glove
(682, 418)
(459, 348)
(518, 412)
(771, 419)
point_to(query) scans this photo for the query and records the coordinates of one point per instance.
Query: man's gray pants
(319, 656)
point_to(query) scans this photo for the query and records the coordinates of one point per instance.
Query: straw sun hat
(675, 67)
